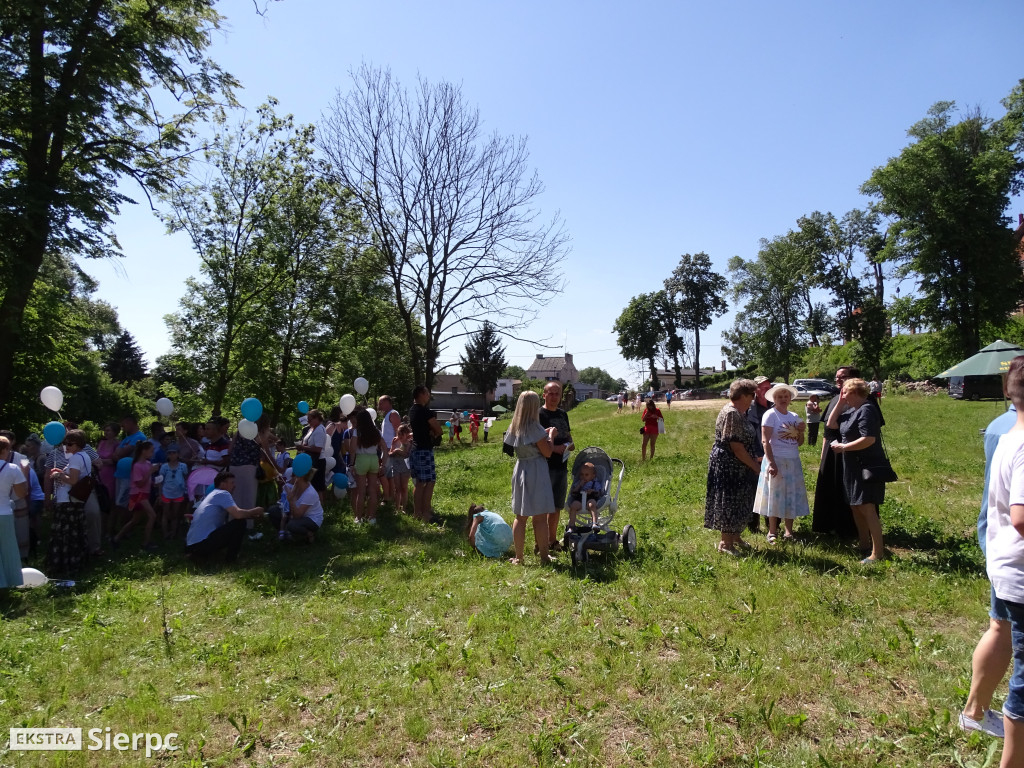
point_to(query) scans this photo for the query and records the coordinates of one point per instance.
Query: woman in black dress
(860, 445)
(732, 469)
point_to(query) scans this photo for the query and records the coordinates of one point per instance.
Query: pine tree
(124, 360)
(484, 360)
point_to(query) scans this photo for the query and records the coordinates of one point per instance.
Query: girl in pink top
(138, 496)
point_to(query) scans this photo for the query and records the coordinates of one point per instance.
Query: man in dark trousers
(755, 413)
(551, 415)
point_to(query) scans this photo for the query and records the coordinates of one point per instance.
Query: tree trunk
(22, 273)
(696, 357)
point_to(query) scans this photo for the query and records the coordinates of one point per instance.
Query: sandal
(789, 537)
(515, 561)
(772, 539)
(724, 550)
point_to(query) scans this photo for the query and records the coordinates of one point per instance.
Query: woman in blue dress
(531, 483)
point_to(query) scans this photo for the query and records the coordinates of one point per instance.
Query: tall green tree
(225, 209)
(484, 360)
(770, 330)
(124, 361)
(699, 293)
(639, 332)
(844, 259)
(947, 194)
(80, 81)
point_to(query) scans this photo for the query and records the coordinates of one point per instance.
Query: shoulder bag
(82, 489)
(880, 470)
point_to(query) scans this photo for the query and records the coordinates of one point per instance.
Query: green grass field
(398, 646)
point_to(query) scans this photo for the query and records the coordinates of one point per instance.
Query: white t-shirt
(387, 429)
(784, 435)
(10, 476)
(317, 438)
(1005, 547)
(316, 510)
(79, 461)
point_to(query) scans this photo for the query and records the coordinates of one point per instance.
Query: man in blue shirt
(132, 435)
(218, 525)
(994, 652)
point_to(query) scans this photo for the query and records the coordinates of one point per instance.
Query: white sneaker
(991, 724)
(256, 536)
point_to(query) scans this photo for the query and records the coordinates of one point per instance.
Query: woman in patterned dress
(732, 469)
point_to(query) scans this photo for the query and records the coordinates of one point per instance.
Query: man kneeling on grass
(218, 525)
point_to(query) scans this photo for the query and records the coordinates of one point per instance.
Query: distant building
(667, 379)
(585, 391)
(509, 388)
(452, 392)
(559, 369)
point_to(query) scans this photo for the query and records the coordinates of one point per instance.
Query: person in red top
(650, 416)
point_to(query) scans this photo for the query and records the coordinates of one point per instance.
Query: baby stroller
(581, 536)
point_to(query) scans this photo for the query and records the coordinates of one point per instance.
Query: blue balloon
(303, 406)
(447, 423)
(302, 464)
(340, 480)
(54, 432)
(252, 409)
(465, 414)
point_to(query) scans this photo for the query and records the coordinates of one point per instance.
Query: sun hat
(770, 394)
(759, 380)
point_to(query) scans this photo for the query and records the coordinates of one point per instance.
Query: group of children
(475, 421)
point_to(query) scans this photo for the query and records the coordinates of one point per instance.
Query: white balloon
(329, 463)
(362, 385)
(164, 406)
(347, 403)
(30, 577)
(339, 492)
(248, 429)
(373, 414)
(52, 398)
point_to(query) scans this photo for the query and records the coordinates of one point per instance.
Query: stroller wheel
(628, 540)
(579, 552)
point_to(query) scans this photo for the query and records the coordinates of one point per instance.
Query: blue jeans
(1014, 706)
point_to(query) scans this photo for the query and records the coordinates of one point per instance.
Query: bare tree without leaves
(451, 210)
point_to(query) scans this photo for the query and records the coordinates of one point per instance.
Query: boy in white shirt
(1005, 559)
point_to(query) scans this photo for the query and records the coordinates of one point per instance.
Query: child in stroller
(594, 469)
(586, 485)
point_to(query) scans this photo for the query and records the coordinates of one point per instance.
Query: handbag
(880, 471)
(82, 489)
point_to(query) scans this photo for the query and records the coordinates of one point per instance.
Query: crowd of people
(755, 471)
(199, 484)
(211, 489)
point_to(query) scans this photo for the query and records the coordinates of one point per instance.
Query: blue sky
(657, 128)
